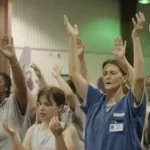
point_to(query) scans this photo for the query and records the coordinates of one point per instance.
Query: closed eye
(113, 72)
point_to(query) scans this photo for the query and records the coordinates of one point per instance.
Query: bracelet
(15, 63)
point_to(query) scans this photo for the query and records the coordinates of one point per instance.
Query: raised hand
(80, 49)
(7, 47)
(72, 31)
(36, 70)
(138, 24)
(8, 129)
(119, 49)
(55, 126)
(56, 71)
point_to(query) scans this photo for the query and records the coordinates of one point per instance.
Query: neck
(45, 125)
(2, 97)
(114, 96)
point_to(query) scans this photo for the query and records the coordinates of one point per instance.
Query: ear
(125, 79)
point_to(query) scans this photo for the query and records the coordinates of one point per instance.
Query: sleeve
(139, 111)
(15, 111)
(92, 96)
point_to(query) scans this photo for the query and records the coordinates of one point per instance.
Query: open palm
(8, 129)
(119, 49)
(72, 31)
(36, 70)
(56, 70)
(138, 25)
(7, 47)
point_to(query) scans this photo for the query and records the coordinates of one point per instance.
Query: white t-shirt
(41, 140)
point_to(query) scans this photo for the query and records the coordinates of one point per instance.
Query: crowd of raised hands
(57, 109)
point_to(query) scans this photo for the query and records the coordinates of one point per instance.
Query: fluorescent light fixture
(143, 1)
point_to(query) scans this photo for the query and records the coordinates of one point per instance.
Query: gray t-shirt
(9, 110)
(25, 126)
(77, 119)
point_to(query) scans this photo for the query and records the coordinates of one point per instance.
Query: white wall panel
(39, 24)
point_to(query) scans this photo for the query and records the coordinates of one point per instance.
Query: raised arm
(119, 53)
(41, 80)
(82, 63)
(74, 69)
(20, 90)
(17, 145)
(70, 96)
(138, 78)
(31, 97)
(31, 104)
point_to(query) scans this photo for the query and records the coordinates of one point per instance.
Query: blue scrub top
(119, 128)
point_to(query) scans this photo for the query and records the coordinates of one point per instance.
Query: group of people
(77, 115)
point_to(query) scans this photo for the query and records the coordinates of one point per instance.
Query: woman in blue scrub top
(114, 120)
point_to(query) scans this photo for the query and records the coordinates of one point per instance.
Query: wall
(39, 25)
(145, 37)
(46, 60)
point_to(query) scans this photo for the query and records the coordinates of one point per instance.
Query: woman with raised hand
(12, 106)
(51, 134)
(112, 118)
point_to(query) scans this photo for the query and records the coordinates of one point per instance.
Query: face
(46, 109)
(112, 77)
(2, 85)
(147, 84)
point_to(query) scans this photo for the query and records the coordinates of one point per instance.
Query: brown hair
(57, 93)
(122, 67)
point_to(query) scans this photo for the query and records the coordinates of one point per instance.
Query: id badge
(116, 127)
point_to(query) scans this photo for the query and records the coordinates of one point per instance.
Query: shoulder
(10, 103)
(10, 98)
(70, 129)
(34, 127)
(94, 90)
(70, 136)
